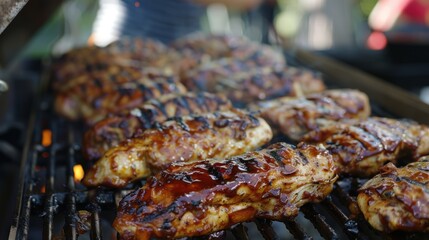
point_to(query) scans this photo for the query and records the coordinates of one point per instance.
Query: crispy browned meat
(397, 198)
(213, 135)
(243, 81)
(296, 116)
(137, 52)
(110, 131)
(200, 49)
(94, 101)
(363, 147)
(194, 199)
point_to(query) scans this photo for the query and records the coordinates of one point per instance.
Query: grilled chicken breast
(397, 198)
(244, 82)
(182, 139)
(94, 102)
(362, 148)
(297, 116)
(126, 52)
(110, 131)
(194, 199)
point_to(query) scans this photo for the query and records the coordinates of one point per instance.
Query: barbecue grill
(52, 204)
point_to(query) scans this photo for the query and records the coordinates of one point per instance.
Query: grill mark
(277, 157)
(214, 172)
(303, 158)
(200, 99)
(255, 121)
(182, 123)
(145, 120)
(183, 101)
(204, 121)
(414, 182)
(160, 106)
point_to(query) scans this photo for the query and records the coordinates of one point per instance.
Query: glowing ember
(46, 137)
(78, 172)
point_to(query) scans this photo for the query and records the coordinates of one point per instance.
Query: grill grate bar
(296, 230)
(350, 225)
(95, 232)
(267, 231)
(319, 222)
(49, 186)
(70, 224)
(240, 232)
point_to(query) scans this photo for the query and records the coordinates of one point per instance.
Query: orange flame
(46, 137)
(78, 172)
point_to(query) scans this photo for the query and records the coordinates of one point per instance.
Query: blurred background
(387, 38)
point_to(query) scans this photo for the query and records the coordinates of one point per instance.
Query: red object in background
(417, 11)
(376, 41)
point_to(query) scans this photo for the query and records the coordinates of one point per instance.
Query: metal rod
(319, 222)
(240, 232)
(70, 223)
(50, 181)
(267, 231)
(296, 230)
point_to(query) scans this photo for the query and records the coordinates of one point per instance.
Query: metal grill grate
(51, 201)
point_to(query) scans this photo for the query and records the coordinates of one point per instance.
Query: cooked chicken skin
(182, 139)
(194, 199)
(295, 117)
(361, 148)
(110, 131)
(95, 102)
(137, 52)
(398, 198)
(242, 81)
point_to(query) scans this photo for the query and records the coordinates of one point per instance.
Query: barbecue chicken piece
(182, 139)
(363, 147)
(194, 199)
(295, 117)
(144, 54)
(398, 198)
(110, 131)
(198, 49)
(93, 101)
(244, 82)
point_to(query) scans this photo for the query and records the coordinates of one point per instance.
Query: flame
(43, 189)
(78, 172)
(46, 137)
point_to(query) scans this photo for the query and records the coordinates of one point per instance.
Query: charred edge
(201, 100)
(156, 214)
(182, 123)
(414, 182)
(254, 120)
(162, 86)
(277, 157)
(146, 120)
(157, 126)
(160, 106)
(143, 88)
(182, 102)
(204, 121)
(221, 123)
(303, 157)
(214, 172)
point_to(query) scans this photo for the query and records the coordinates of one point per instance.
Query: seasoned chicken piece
(194, 199)
(126, 52)
(397, 198)
(296, 116)
(94, 102)
(242, 81)
(112, 130)
(198, 49)
(182, 139)
(362, 148)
